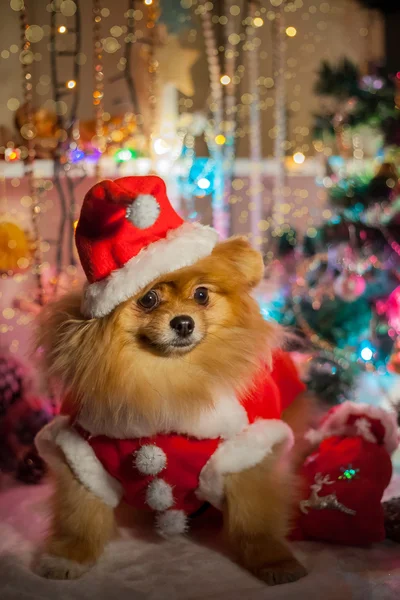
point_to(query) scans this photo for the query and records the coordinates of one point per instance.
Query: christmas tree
(343, 294)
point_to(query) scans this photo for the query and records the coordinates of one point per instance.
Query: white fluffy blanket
(137, 567)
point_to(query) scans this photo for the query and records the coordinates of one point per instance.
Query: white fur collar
(227, 418)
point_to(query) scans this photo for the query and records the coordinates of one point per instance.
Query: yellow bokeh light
(258, 22)
(220, 139)
(117, 135)
(225, 80)
(291, 31)
(71, 84)
(263, 225)
(23, 263)
(8, 313)
(62, 29)
(312, 232)
(148, 2)
(299, 158)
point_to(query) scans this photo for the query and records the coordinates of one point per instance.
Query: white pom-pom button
(172, 522)
(143, 212)
(159, 495)
(150, 460)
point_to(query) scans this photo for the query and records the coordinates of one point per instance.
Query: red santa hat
(128, 234)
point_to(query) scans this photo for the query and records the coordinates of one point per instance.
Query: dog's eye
(149, 300)
(201, 295)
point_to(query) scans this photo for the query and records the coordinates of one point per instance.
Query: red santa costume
(127, 236)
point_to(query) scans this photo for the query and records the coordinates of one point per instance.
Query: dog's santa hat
(128, 234)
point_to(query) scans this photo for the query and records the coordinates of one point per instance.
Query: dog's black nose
(183, 325)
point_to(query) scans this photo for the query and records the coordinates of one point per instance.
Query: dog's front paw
(56, 567)
(285, 571)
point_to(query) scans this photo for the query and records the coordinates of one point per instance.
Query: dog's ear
(238, 252)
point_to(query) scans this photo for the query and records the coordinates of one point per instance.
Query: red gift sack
(345, 478)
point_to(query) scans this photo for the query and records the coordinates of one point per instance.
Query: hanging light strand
(98, 88)
(255, 132)
(279, 49)
(153, 13)
(29, 134)
(216, 139)
(214, 71)
(230, 114)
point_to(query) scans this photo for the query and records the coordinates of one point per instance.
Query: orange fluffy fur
(117, 369)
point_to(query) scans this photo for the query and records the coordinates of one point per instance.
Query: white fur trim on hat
(241, 452)
(150, 459)
(182, 247)
(336, 424)
(58, 443)
(172, 522)
(159, 495)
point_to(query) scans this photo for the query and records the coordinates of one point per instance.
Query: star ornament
(348, 473)
(175, 64)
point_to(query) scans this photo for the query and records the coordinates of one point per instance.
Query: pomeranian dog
(173, 388)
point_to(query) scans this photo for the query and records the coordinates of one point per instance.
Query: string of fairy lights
(273, 42)
(98, 88)
(29, 134)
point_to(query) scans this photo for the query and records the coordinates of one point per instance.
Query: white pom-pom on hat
(159, 495)
(144, 211)
(150, 460)
(172, 522)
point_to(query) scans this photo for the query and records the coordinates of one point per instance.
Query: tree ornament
(334, 326)
(394, 360)
(348, 473)
(329, 381)
(21, 417)
(15, 248)
(14, 379)
(349, 286)
(175, 64)
(393, 310)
